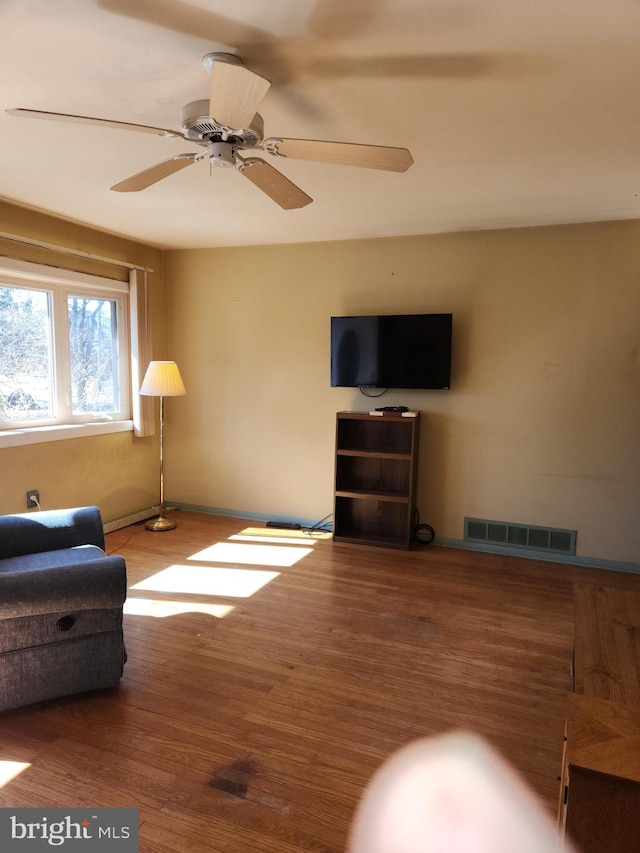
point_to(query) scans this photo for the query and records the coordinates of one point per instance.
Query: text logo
(79, 830)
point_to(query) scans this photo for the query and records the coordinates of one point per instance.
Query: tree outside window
(93, 351)
(26, 383)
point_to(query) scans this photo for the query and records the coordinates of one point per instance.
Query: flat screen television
(391, 351)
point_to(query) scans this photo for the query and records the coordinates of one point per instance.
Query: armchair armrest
(94, 584)
(50, 530)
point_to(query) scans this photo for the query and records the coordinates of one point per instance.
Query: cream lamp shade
(162, 379)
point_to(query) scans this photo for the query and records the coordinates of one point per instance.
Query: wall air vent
(527, 536)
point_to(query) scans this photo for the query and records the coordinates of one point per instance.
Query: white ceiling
(516, 113)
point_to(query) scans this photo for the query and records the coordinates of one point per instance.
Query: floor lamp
(162, 379)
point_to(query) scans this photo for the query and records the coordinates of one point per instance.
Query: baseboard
(462, 544)
(508, 551)
(250, 516)
(126, 520)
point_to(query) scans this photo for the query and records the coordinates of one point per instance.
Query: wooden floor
(254, 724)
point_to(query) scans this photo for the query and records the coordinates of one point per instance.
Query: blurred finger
(451, 794)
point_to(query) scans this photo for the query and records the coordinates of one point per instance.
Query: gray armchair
(61, 601)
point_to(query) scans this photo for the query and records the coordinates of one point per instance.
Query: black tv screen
(391, 351)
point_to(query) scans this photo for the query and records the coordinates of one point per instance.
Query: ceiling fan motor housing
(197, 124)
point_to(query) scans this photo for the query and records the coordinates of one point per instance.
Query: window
(64, 351)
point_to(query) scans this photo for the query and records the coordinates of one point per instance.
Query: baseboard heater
(551, 540)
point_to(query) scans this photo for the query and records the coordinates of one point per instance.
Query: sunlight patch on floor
(281, 533)
(161, 608)
(10, 769)
(278, 540)
(208, 580)
(251, 546)
(251, 555)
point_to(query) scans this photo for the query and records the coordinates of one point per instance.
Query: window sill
(40, 435)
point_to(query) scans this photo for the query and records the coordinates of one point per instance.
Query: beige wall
(541, 425)
(117, 472)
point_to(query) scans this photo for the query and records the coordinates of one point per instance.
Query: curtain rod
(64, 250)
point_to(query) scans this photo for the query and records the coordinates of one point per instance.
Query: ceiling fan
(229, 123)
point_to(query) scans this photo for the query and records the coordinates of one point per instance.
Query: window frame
(60, 284)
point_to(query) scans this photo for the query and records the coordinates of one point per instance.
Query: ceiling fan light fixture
(222, 154)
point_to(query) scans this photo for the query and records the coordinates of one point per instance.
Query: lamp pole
(161, 522)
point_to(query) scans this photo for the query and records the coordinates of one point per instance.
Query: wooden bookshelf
(375, 479)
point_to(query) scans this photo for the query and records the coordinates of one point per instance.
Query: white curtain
(141, 351)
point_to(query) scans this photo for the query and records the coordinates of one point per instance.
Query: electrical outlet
(33, 493)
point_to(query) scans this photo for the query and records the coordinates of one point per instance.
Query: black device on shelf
(392, 351)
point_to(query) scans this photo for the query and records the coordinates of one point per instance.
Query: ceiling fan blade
(449, 65)
(156, 173)
(189, 18)
(342, 153)
(236, 94)
(260, 49)
(272, 182)
(102, 122)
(335, 19)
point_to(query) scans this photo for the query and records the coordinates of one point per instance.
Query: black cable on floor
(319, 527)
(422, 532)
